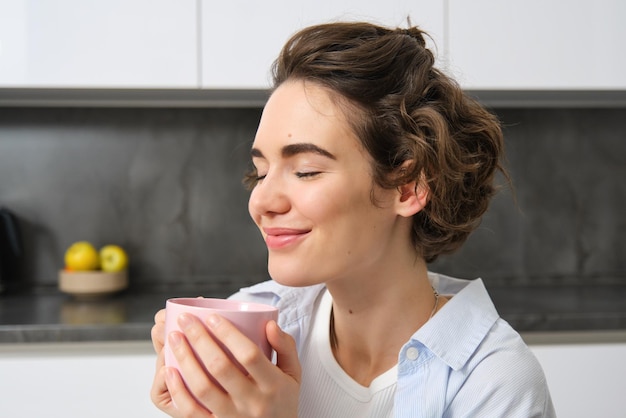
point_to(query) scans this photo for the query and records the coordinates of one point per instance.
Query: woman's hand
(158, 331)
(159, 393)
(267, 390)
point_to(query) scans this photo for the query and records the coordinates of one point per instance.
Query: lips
(279, 238)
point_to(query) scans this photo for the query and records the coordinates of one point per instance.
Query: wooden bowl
(92, 284)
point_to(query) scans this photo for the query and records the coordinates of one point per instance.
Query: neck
(333, 334)
(366, 329)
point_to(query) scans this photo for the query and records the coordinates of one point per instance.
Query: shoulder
(503, 378)
(295, 304)
(489, 369)
(504, 356)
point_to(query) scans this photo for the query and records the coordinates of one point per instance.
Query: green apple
(113, 258)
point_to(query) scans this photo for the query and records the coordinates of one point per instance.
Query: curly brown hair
(403, 109)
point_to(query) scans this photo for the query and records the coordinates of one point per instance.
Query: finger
(158, 330)
(156, 334)
(159, 317)
(286, 351)
(182, 401)
(212, 355)
(159, 393)
(160, 360)
(204, 387)
(245, 351)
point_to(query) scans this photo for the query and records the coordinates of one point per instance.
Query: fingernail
(184, 320)
(175, 339)
(213, 320)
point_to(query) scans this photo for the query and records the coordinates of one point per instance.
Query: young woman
(369, 163)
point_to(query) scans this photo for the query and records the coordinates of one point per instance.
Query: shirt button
(412, 353)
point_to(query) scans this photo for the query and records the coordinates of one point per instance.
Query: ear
(412, 197)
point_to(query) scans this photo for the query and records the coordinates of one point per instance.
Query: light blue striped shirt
(464, 362)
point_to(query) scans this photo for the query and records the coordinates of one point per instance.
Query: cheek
(319, 203)
(337, 210)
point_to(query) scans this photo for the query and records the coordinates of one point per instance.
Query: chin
(292, 277)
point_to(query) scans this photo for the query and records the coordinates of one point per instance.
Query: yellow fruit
(113, 258)
(81, 256)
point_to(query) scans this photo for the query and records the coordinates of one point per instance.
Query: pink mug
(250, 318)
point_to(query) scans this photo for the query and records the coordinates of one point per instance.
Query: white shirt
(327, 390)
(464, 362)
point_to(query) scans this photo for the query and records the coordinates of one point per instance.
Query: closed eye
(307, 174)
(252, 177)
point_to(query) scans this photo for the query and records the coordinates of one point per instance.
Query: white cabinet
(203, 45)
(101, 43)
(241, 39)
(112, 379)
(77, 380)
(537, 44)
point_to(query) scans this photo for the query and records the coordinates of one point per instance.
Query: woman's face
(312, 201)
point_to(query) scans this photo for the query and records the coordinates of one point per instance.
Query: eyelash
(307, 174)
(300, 175)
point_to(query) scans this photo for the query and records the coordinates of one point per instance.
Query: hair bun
(415, 33)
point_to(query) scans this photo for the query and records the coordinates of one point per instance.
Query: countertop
(47, 315)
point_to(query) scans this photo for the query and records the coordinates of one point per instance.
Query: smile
(279, 238)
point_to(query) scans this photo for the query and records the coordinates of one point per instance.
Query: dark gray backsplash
(565, 222)
(166, 185)
(163, 183)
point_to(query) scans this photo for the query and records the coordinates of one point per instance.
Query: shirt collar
(459, 327)
(453, 334)
(295, 304)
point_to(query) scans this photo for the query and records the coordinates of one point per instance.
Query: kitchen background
(166, 185)
(130, 123)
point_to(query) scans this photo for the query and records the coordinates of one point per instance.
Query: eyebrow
(295, 149)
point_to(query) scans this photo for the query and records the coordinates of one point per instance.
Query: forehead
(301, 111)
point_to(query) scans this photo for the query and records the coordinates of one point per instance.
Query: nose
(268, 197)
